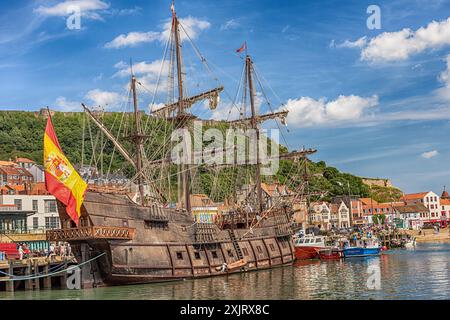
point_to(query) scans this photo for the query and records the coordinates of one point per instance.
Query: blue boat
(350, 252)
(364, 248)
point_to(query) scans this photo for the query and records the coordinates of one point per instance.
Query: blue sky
(373, 102)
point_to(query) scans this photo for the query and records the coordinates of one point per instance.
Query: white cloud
(132, 39)
(361, 42)
(65, 105)
(400, 45)
(88, 8)
(429, 154)
(147, 73)
(191, 25)
(139, 68)
(230, 24)
(443, 93)
(307, 111)
(104, 98)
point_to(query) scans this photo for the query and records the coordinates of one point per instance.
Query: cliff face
(377, 182)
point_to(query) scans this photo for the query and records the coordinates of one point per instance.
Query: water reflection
(423, 273)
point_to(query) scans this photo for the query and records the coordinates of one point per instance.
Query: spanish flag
(61, 179)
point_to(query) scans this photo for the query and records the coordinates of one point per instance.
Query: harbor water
(422, 273)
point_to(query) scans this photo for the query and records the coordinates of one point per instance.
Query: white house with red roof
(430, 200)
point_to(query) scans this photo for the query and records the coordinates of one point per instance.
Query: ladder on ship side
(236, 244)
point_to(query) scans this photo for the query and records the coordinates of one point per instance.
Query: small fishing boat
(363, 248)
(330, 253)
(308, 247)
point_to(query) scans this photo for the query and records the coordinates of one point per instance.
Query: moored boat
(330, 253)
(363, 248)
(308, 247)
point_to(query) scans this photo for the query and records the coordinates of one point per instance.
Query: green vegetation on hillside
(21, 135)
(385, 194)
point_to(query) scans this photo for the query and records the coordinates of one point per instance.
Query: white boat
(410, 243)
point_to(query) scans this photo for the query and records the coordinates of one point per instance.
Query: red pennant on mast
(244, 47)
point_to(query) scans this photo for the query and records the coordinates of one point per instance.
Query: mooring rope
(56, 267)
(34, 276)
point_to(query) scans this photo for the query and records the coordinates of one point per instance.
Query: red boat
(331, 253)
(308, 247)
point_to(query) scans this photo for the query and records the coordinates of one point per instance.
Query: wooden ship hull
(154, 244)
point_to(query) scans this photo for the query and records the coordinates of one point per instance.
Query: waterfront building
(445, 212)
(408, 216)
(340, 215)
(14, 175)
(356, 211)
(37, 171)
(35, 200)
(430, 200)
(13, 219)
(371, 207)
(24, 163)
(320, 215)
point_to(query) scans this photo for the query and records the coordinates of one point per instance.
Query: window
(125, 223)
(197, 255)
(245, 251)
(35, 205)
(179, 255)
(271, 247)
(35, 222)
(18, 204)
(49, 206)
(214, 254)
(318, 240)
(51, 222)
(151, 224)
(283, 244)
(259, 249)
(230, 253)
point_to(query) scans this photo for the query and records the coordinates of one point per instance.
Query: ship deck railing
(92, 232)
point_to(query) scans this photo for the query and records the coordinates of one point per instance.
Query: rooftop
(413, 196)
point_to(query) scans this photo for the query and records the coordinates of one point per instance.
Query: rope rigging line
(31, 277)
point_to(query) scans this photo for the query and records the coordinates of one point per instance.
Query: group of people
(63, 250)
(54, 249)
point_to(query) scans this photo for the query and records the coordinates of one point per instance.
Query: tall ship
(154, 235)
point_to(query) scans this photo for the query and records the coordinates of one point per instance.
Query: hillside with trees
(21, 135)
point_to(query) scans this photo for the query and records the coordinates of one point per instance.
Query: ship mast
(137, 139)
(183, 177)
(254, 124)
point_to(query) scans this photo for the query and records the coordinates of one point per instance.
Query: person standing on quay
(20, 252)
